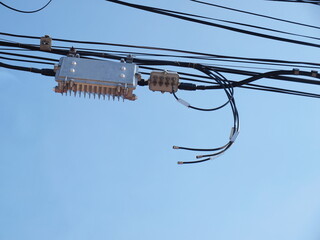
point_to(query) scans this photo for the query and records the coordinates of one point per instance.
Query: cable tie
(183, 102)
(233, 135)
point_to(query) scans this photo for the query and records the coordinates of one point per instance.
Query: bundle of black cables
(227, 87)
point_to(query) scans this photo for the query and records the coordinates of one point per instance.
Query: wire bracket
(45, 43)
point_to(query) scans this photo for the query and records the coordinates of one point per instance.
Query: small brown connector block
(45, 43)
(164, 81)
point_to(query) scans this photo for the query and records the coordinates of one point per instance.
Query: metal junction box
(97, 77)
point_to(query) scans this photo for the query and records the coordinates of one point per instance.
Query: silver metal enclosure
(97, 77)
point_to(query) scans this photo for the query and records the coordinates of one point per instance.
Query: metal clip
(45, 43)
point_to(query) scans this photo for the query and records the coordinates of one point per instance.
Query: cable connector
(180, 162)
(188, 86)
(175, 147)
(183, 102)
(48, 72)
(164, 81)
(210, 156)
(233, 135)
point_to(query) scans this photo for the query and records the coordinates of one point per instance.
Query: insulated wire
(163, 49)
(141, 61)
(28, 61)
(257, 87)
(297, 1)
(240, 24)
(167, 13)
(21, 11)
(256, 14)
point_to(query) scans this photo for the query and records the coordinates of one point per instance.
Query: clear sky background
(75, 168)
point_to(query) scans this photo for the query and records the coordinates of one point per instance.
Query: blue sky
(75, 168)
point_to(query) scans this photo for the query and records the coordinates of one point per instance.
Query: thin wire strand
(21, 11)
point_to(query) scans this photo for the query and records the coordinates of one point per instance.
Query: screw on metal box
(101, 77)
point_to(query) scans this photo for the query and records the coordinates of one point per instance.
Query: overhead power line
(256, 14)
(316, 2)
(185, 17)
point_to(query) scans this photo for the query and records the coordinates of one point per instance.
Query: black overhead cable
(196, 78)
(242, 24)
(256, 14)
(161, 49)
(23, 60)
(155, 62)
(168, 13)
(21, 11)
(44, 71)
(89, 53)
(316, 2)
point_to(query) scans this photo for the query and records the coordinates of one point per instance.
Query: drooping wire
(298, 1)
(21, 11)
(228, 89)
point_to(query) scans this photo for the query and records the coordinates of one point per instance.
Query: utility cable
(21, 11)
(256, 14)
(44, 71)
(3, 43)
(165, 12)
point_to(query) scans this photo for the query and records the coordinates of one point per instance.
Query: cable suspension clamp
(129, 59)
(45, 43)
(296, 71)
(73, 53)
(314, 73)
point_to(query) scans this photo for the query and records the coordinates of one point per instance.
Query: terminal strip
(164, 81)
